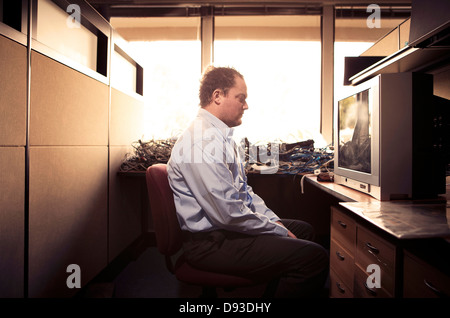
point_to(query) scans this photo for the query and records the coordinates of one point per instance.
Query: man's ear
(217, 96)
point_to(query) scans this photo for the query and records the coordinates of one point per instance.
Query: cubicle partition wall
(126, 128)
(64, 130)
(68, 174)
(13, 58)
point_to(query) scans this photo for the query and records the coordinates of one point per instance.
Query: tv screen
(355, 132)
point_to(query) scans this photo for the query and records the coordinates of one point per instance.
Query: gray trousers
(300, 264)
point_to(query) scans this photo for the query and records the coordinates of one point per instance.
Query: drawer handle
(340, 256)
(434, 289)
(342, 224)
(371, 291)
(374, 252)
(340, 288)
(372, 248)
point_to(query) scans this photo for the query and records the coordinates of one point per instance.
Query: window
(169, 51)
(55, 30)
(124, 75)
(171, 84)
(280, 58)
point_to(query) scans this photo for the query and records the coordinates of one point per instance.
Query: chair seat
(191, 275)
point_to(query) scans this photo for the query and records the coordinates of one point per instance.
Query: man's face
(234, 104)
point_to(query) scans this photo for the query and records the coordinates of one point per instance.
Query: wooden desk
(402, 219)
(341, 192)
(408, 240)
(140, 174)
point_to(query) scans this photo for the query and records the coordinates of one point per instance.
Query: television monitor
(383, 138)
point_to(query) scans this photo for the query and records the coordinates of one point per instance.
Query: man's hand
(290, 234)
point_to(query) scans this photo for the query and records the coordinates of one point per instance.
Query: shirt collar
(216, 122)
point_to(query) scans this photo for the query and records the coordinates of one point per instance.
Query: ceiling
(245, 2)
(167, 8)
(129, 15)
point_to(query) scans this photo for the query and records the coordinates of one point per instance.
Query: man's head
(223, 92)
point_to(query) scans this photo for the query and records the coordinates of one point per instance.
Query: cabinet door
(421, 280)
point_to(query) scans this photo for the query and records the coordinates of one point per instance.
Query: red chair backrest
(167, 229)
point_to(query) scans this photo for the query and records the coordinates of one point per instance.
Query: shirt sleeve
(211, 183)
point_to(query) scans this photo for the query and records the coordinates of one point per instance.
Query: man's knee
(321, 255)
(315, 259)
(300, 229)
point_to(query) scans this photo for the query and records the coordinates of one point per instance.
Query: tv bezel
(372, 178)
(403, 112)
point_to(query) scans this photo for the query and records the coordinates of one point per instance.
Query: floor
(142, 273)
(148, 277)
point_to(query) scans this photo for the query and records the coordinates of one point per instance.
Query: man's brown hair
(222, 78)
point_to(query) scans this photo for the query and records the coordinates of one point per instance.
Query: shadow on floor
(148, 277)
(141, 273)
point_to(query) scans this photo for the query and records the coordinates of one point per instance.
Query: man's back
(209, 182)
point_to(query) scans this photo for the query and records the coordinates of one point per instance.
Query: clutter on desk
(282, 158)
(147, 153)
(289, 158)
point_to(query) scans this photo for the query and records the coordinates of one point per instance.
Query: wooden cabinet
(342, 254)
(374, 250)
(407, 242)
(354, 249)
(422, 280)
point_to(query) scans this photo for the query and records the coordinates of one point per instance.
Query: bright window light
(172, 71)
(283, 83)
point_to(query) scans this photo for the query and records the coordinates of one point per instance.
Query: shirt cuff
(281, 230)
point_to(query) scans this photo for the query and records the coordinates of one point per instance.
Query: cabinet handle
(340, 288)
(371, 291)
(372, 248)
(342, 224)
(340, 256)
(434, 289)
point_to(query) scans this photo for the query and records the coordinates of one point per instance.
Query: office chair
(169, 240)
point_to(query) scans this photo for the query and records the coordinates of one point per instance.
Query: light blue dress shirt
(209, 183)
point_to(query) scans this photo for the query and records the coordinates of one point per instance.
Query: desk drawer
(343, 229)
(342, 262)
(371, 249)
(423, 280)
(363, 290)
(338, 289)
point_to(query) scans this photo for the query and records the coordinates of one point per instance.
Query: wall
(68, 174)
(125, 200)
(64, 131)
(12, 166)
